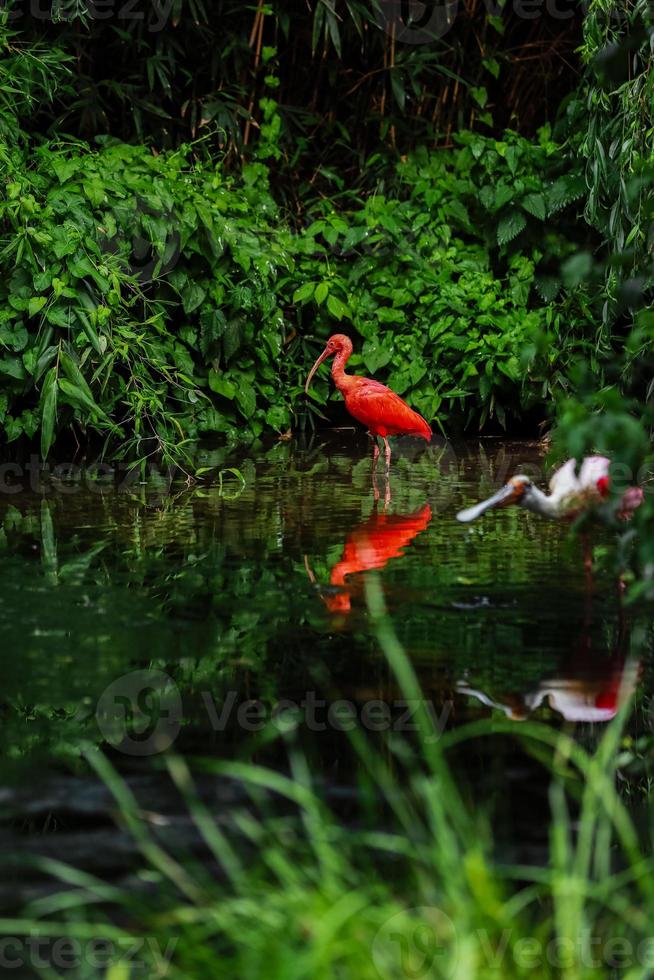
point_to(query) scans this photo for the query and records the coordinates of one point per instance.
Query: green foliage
(346, 84)
(447, 281)
(132, 284)
(613, 123)
(148, 299)
(279, 884)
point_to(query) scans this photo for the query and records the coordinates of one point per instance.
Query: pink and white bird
(571, 493)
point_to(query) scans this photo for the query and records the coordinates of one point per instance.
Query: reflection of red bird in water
(370, 546)
(382, 411)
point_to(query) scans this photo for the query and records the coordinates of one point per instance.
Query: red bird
(376, 406)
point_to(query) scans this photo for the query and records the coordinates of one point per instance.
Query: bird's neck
(539, 503)
(342, 380)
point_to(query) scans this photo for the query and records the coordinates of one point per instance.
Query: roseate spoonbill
(376, 406)
(570, 493)
(371, 545)
(594, 698)
(589, 685)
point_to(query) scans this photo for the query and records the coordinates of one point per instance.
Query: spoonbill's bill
(382, 411)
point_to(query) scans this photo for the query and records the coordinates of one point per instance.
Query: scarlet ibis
(376, 406)
(371, 545)
(570, 493)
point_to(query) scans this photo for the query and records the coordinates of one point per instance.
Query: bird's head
(516, 491)
(338, 343)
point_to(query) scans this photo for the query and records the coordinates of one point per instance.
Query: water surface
(255, 596)
(268, 579)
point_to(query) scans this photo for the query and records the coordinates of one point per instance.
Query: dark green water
(143, 616)
(258, 593)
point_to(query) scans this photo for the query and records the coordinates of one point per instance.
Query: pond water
(247, 602)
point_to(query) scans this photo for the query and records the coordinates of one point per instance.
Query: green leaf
(548, 287)
(12, 366)
(375, 356)
(79, 397)
(535, 204)
(94, 191)
(232, 494)
(511, 157)
(337, 309)
(320, 294)
(59, 316)
(457, 210)
(48, 404)
(492, 65)
(510, 227)
(565, 190)
(64, 169)
(36, 304)
(277, 418)
(72, 371)
(192, 297)
(221, 385)
(503, 194)
(577, 269)
(304, 292)
(90, 332)
(399, 92)
(246, 398)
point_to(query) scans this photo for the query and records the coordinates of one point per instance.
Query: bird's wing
(567, 485)
(377, 406)
(564, 480)
(593, 468)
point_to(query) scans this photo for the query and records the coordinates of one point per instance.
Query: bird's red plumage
(382, 411)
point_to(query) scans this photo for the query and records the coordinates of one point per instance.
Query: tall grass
(285, 890)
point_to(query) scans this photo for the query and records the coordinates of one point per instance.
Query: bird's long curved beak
(509, 494)
(315, 367)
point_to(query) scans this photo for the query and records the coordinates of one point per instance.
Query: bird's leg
(387, 494)
(312, 577)
(375, 488)
(375, 456)
(388, 455)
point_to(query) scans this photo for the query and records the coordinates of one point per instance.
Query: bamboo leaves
(48, 406)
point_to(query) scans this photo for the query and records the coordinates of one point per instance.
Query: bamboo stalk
(256, 37)
(392, 67)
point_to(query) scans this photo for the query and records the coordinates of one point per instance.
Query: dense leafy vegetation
(152, 294)
(195, 195)
(151, 298)
(613, 125)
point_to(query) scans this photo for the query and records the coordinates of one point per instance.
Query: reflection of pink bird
(382, 411)
(370, 546)
(570, 493)
(578, 696)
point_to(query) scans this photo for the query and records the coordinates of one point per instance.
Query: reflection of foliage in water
(215, 591)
